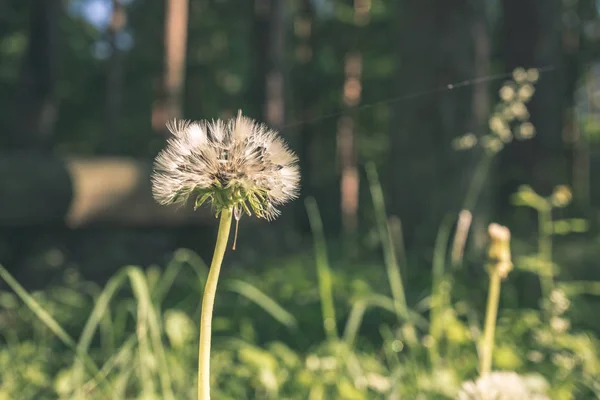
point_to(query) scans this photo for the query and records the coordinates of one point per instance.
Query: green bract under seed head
(237, 164)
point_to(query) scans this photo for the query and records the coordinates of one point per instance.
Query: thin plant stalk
(465, 217)
(478, 181)
(498, 266)
(389, 253)
(545, 249)
(487, 347)
(208, 302)
(323, 270)
(474, 190)
(440, 290)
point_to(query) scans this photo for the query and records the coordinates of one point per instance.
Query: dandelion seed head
(236, 164)
(502, 386)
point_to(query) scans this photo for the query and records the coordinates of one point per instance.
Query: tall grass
(389, 252)
(51, 324)
(147, 343)
(323, 270)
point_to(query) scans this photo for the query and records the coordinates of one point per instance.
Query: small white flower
(507, 93)
(533, 75)
(519, 110)
(378, 382)
(497, 124)
(526, 92)
(502, 386)
(237, 164)
(520, 75)
(559, 325)
(559, 300)
(526, 130)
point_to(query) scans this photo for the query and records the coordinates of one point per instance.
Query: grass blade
(255, 295)
(48, 320)
(440, 296)
(142, 293)
(110, 364)
(389, 253)
(91, 325)
(323, 269)
(574, 288)
(360, 307)
(180, 257)
(354, 322)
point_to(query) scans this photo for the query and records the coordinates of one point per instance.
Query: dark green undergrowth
(136, 337)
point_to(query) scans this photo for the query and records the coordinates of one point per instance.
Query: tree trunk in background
(260, 45)
(577, 147)
(275, 77)
(346, 134)
(423, 163)
(37, 102)
(533, 39)
(306, 93)
(480, 33)
(170, 103)
(346, 143)
(114, 76)
(269, 89)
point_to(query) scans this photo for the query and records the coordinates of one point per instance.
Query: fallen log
(84, 191)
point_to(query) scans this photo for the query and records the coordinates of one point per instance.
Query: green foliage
(140, 338)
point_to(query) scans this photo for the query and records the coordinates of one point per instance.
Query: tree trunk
(114, 76)
(170, 102)
(346, 134)
(305, 92)
(346, 143)
(260, 46)
(37, 102)
(426, 174)
(275, 77)
(576, 145)
(480, 31)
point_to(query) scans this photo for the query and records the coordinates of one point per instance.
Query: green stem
(477, 182)
(389, 253)
(208, 302)
(323, 270)
(545, 249)
(475, 188)
(440, 295)
(491, 314)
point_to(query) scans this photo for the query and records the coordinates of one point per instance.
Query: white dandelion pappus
(505, 385)
(239, 164)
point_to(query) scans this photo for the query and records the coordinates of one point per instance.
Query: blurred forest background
(411, 104)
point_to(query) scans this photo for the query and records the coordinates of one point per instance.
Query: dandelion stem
(207, 305)
(491, 314)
